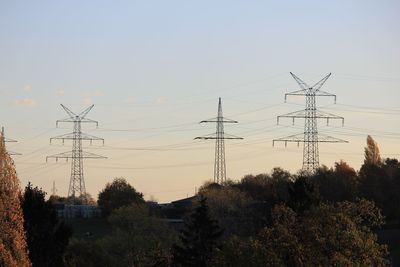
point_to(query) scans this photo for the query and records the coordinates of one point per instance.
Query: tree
(231, 208)
(13, 247)
(198, 238)
(303, 194)
(44, 231)
(88, 253)
(372, 154)
(137, 239)
(137, 235)
(249, 252)
(337, 184)
(326, 235)
(118, 194)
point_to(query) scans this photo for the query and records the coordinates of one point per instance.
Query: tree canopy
(117, 194)
(44, 230)
(13, 247)
(198, 238)
(372, 154)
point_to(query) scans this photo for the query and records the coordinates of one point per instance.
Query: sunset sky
(154, 69)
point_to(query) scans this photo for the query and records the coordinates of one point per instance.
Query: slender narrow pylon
(219, 136)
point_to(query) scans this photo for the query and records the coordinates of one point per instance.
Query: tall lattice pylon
(77, 189)
(4, 140)
(311, 114)
(219, 136)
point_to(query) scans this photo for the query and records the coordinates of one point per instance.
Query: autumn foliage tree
(372, 154)
(13, 247)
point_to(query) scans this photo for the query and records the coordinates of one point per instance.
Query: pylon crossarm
(76, 119)
(323, 93)
(65, 120)
(85, 112)
(64, 155)
(89, 155)
(12, 153)
(230, 136)
(223, 119)
(304, 114)
(291, 138)
(296, 93)
(85, 120)
(329, 139)
(69, 112)
(69, 155)
(319, 84)
(302, 84)
(214, 137)
(205, 136)
(72, 136)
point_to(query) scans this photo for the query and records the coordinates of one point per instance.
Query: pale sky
(154, 69)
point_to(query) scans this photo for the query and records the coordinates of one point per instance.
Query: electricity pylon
(54, 189)
(219, 136)
(311, 114)
(4, 140)
(77, 183)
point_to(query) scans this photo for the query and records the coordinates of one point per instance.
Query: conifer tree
(199, 238)
(13, 248)
(44, 230)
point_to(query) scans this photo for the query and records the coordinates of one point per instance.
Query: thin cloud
(130, 99)
(87, 101)
(60, 92)
(28, 88)
(161, 100)
(98, 93)
(27, 102)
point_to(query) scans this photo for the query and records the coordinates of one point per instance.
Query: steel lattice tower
(311, 114)
(77, 183)
(219, 136)
(4, 140)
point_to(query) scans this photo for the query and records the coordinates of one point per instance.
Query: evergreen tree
(13, 248)
(198, 238)
(47, 237)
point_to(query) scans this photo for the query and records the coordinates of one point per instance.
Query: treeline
(278, 219)
(328, 218)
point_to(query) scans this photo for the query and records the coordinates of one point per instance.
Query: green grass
(98, 227)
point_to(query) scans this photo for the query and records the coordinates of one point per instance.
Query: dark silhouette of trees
(337, 184)
(325, 235)
(117, 194)
(199, 238)
(47, 237)
(231, 208)
(303, 194)
(138, 238)
(13, 247)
